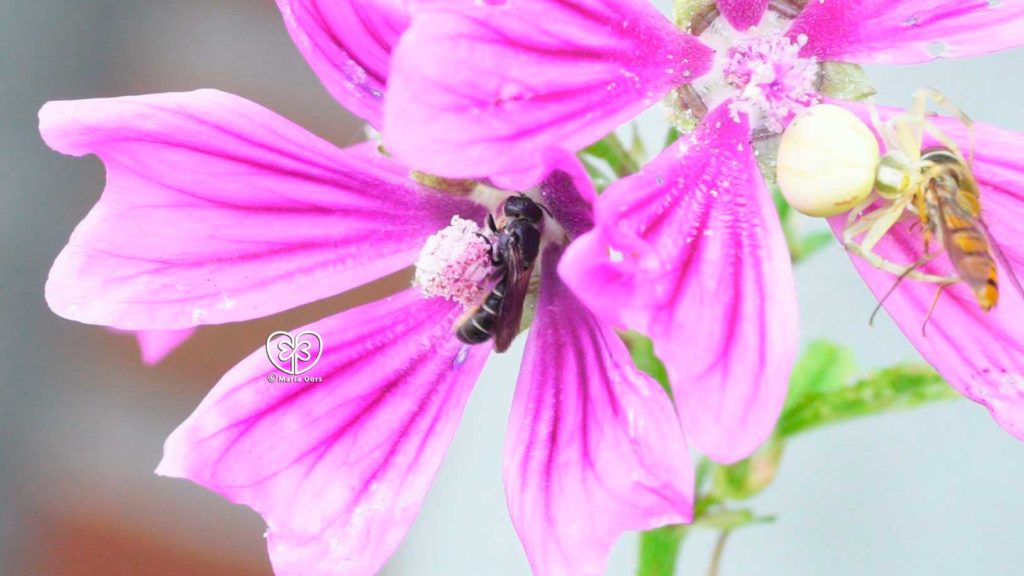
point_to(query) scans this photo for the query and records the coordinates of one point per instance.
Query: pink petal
(908, 31)
(700, 265)
(568, 193)
(742, 14)
(348, 44)
(484, 88)
(980, 353)
(338, 469)
(594, 447)
(217, 210)
(155, 345)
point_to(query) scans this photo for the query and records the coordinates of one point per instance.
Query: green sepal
(685, 11)
(750, 476)
(845, 81)
(614, 153)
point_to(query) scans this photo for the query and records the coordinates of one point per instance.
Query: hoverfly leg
(938, 292)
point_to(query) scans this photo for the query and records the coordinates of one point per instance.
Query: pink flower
(217, 210)
(980, 353)
(689, 251)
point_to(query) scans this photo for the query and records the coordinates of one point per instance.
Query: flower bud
(826, 161)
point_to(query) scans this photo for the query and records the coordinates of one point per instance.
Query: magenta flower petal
(218, 210)
(484, 88)
(348, 44)
(594, 447)
(908, 31)
(742, 14)
(700, 265)
(980, 353)
(339, 468)
(155, 345)
(567, 192)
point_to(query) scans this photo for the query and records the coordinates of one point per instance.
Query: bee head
(522, 207)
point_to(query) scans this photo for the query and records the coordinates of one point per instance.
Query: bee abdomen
(479, 327)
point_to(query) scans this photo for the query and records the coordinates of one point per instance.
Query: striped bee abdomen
(479, 326)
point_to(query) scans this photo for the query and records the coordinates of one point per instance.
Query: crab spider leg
(884, 129)
(921, 97)
(907, 272)
(946, 141)
(897, 269)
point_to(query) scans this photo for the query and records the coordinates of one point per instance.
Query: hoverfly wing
(968, 247)
(517, 283)
(1001, 257)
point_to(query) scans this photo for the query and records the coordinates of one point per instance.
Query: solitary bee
(938, 185)
(514, 249)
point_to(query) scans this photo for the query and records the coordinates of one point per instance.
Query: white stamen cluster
(774, 83)
(455, 263)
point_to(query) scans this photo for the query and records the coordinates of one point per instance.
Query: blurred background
(82, 421)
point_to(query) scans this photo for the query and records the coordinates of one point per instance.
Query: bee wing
(517, 282)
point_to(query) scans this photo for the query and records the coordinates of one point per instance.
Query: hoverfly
(514, 249)
(936, 184)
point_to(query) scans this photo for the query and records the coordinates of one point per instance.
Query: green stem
(716, 557)
(659, 550)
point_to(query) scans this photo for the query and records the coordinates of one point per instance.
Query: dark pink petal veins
(742, 14)
(690, 252)
(594, 447)
(980, 353)
(217, 210)
(338, 468)
(348, 44)
(908, 31)
(485, 88)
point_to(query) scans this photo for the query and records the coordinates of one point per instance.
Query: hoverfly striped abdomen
(953, 204)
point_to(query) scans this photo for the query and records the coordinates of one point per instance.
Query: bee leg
(490, 223)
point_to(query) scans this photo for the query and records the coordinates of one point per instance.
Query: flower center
(455, 263)
(760, 72)
(773, 82)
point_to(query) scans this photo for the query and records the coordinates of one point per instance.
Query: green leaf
(641, 349)
(823, 367)
(809, 244)
(672, 136)
(895, 388)
(615, 154)
(659, 550)
(598, 175)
